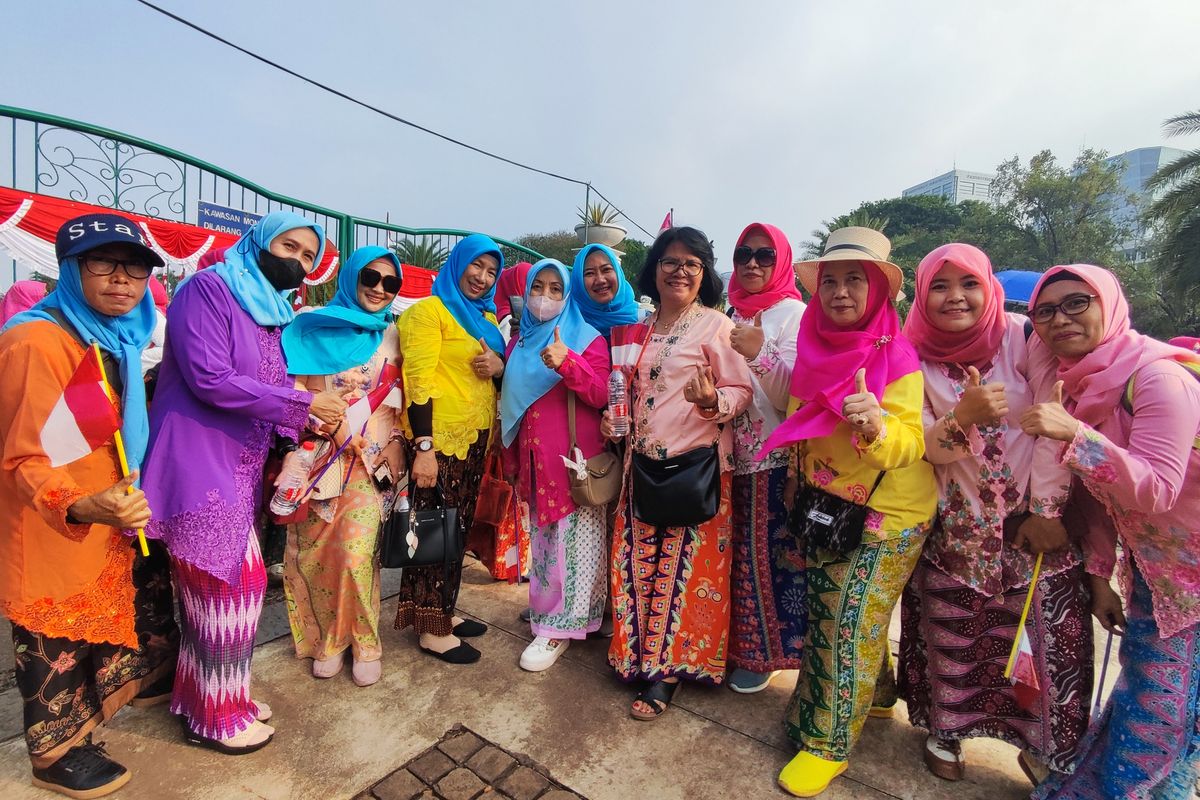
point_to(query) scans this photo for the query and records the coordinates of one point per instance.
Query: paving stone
(400, 785)
(461, 784)
(490, 763)
(523, 784)
(462, 746)
(559, 794)
(432, 766)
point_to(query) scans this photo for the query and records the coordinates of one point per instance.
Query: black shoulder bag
(822, 521)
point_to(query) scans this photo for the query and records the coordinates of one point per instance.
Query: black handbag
(426, 538)
(822, 521)
(676, 492)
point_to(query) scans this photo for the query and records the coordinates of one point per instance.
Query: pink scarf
(828, 356)
(21, 296)
(783, 279)
(976, 346)
(159, 293)
(510, 282)
(1093, 385)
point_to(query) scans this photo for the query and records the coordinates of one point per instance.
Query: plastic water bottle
(618, 403)
(293, 480)
(402, 501)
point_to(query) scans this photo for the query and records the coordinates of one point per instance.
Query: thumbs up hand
(980, 404)
(487, 364)
(862, 409)
(701, 390)
(747, 340)
(1050, 419)
(555, 353)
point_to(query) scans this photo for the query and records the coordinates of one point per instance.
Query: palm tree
(855, 219)
(426, 252)
(1175, 212)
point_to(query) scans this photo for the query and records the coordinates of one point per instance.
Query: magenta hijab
(828, 356)
(783, 279)
(511, 282)
(21, 296)
(975, 346)
(1093, 384)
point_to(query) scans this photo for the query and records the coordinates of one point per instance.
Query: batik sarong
(568, 582)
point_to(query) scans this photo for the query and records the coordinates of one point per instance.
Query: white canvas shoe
(542, 652)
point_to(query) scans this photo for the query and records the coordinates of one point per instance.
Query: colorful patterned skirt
(850, 602)
(212, 682)
(331, 574)
(954, 647)
(69, 687)
(568, 580)
(770, 610)
(670, 589)
(1146, 743)
(426, 597)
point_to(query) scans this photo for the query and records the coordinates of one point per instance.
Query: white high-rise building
(956, 185)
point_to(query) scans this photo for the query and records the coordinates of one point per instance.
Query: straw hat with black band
(853, 244)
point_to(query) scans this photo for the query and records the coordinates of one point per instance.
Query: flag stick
(1012, 657)
(120, 443)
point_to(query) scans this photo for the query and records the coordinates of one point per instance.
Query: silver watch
(425, 445)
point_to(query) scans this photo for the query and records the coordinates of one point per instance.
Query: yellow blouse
(437, 365)
(844, 466)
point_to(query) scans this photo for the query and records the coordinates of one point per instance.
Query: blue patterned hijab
(468, 312)
(342, 335)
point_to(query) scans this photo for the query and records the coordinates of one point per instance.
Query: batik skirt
(568, 583)
(954, 647)
(770, 611)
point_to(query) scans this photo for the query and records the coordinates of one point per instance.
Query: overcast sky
(730, 112)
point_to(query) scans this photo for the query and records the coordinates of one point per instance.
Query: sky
(729, 112)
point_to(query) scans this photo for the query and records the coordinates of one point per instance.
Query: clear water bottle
(402, 501)
(618, 403)
(293, 480)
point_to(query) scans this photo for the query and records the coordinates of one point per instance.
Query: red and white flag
(84, 418)
(627, 341)
(668, 221)
(394, 398)
(361, 409)
(1024, 674)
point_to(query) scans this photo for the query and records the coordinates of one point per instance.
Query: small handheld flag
(1021, 670)
(84, 418)
(360, 410)
(627, 342)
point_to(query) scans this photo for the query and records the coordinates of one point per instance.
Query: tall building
(1138, 165)
(956, 185)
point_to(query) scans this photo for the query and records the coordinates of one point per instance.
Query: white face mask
(544, 308)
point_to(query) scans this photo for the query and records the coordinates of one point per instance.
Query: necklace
(658, 321)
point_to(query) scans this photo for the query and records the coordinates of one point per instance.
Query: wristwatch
(424, 446)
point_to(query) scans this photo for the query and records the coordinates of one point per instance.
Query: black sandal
(658, 696)
(463, 653)
(468, 628)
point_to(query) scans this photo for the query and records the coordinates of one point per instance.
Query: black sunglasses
(763, 256)
(370, 278)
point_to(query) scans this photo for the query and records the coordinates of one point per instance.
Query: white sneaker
(542, 652)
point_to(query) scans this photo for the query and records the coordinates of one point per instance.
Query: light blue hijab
(343, 334)
(269, 307)
(125, 337)
(469, 313)
(621, 310)
(526, 377)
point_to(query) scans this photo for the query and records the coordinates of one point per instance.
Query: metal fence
(87, 163)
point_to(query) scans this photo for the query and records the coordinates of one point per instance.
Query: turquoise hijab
(125, 337)
(269, 307)
(621, 310)
(468, 312)
(343, 334)
(526, 377)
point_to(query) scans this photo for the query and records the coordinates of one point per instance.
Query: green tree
(1065, 215)
(858, 218)
(426, 252)
(1174, 215)
(633, 260)
(560, 245)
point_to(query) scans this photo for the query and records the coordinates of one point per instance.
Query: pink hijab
(1093, 385)
(1187, 343)
(159, 292)
(976, 346)
(828, 356)
(213, 256)
(783, 279)
(21, 296)
(511, 282)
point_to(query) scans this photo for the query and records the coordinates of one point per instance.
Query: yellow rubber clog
(807, 775)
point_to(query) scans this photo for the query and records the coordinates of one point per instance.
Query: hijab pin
(882, 340)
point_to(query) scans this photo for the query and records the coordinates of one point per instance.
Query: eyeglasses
(371, 278)
(1073, 306)
(691, 267)
(102, 265)
(763, 256)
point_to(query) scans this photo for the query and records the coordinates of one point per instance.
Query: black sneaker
(84, 772)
